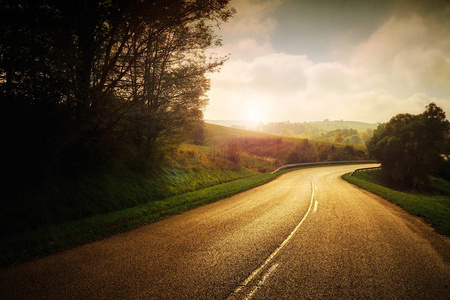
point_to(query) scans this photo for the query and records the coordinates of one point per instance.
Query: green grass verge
(105, 190)
(32, 243)
(434, 209)
(46, 240)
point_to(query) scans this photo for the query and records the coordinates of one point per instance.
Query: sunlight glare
(253, 115)
(254, 109)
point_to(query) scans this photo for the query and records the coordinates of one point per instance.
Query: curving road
(306, 235)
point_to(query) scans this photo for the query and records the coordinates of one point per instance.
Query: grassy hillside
(320, 125)
(262, 151)
(189, 168)
(333, 125)
(216, 135)
(70, 210)
(347, 132)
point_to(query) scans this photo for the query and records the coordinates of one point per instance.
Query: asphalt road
(306, 235)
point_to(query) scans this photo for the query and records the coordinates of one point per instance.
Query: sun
(253, 115)
(253, 111)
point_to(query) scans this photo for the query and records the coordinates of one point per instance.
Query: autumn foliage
(283, 151)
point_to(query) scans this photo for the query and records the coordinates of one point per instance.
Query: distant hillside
(262, 152)
(219, 135)
(325, 125)
(333, 125)
(227, 148)
(348, 132)
(234, 123)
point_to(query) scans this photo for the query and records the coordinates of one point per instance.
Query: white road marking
(274, 253)
(261, 282)
(315, 205)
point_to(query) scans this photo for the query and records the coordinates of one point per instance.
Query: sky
(353, 60)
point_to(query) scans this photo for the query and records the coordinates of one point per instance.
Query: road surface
(306, 235)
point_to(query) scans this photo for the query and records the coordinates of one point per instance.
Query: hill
(227, 147)
(348, 132)
(241, 124)
(226, 154)
(333, 125)
(324, 126)
(102, 200)
(218, 135)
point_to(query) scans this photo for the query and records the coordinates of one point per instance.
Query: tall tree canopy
(410, 147)
(80, 78)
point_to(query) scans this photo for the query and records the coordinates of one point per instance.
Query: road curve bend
(306, 235)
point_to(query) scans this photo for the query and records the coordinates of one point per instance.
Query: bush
(293, 158)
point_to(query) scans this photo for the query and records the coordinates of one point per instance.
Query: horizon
(289, 121)
(253, 125)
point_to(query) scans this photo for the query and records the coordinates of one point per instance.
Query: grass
(110, 188)
(32, 243)
(65, 212)
(216, 135)
(433, 208)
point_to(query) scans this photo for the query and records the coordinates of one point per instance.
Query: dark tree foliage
(410, 147)
(82, 81)
(306, 151)
(293, 158)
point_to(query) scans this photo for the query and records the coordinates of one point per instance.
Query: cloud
(291, 87)
(333, 78)
(414, 50)
(267, 83)
(396, 35)
(252, 18)
(248, 33)
(399, 68)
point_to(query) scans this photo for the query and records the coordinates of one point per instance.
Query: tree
(339, 138)
(83, 78)
(353, 139)
(306, 152)
(366, 135)
(409, 147)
